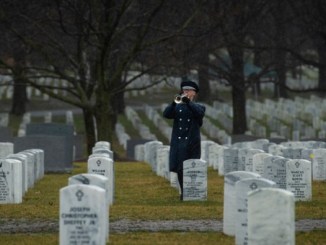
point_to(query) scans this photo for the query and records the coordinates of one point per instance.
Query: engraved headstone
(103, 166)
(162, 159)
(242, 187)
(271, 217)
(319, 164)
(249, 158)
(258, 162)
(83, 215)
(23, 159)
(230, 158)
(194, 180)
(11, 187)
(298, 179)
(91, 179)
(150, 153)
(229, 205)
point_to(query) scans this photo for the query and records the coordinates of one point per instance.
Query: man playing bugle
(188, 118)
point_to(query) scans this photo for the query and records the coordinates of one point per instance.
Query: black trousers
(180, 179)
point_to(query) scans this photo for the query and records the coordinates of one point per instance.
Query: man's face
(190, 93)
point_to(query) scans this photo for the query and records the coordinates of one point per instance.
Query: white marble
(298, 179)
(103, 166)
(229, 205)
(242, 187)
(83, 215)
(271, 218)
(194, 180)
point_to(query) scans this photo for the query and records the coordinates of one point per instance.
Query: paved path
(122, 226)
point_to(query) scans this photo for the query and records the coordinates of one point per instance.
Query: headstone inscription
(91, 179)
(194, 180)
(103, 166)
(11, 187)
(229, 205)
(298, 179)
(271, 217)
(258, 162)
(249, 158)
(23, 159)
(242, 187)
(83, 215)
(230, 160)
(276, 171)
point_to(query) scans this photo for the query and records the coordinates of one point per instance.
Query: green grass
(142, 195)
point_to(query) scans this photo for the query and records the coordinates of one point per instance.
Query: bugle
(178, 98)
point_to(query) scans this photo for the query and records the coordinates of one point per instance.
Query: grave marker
(298, 179)
(271, 217)
(194, 180)
(83, 215)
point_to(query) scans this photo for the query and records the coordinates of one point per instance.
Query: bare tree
(91, 45)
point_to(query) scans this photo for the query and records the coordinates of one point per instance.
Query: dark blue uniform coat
(185, 139)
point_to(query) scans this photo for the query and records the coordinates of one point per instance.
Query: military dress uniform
(185, 138)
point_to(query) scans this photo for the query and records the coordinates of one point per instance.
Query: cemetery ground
(146, 210)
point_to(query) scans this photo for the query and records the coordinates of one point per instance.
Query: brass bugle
(178, 98)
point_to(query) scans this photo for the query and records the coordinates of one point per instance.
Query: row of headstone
(18, 172)
(297, 119)
(137, 123)
(255, 211)
(84, 203)
(48, 118)
(121, 134)
(289, 172)
(194, 170)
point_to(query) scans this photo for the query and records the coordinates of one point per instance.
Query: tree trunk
(19, 99)
(89, 130)
(238, 91)
(18, 106)
(205, 92)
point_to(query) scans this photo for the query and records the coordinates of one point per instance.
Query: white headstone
(230, 158)
(229, 205)
(242, 187)
(103, 166)
(6, 148)
(249, 158)
(271, 217)
(258, 162)
(194, 180)
(23, 159)
(83, 215)
(298, 179)
(11, 186)
(319, 164)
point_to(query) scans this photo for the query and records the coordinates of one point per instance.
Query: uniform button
(186, 138)
(180, 110)
(186, 128)
(180, 119)
(188, 120)
(179, 137)
(180, 128)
